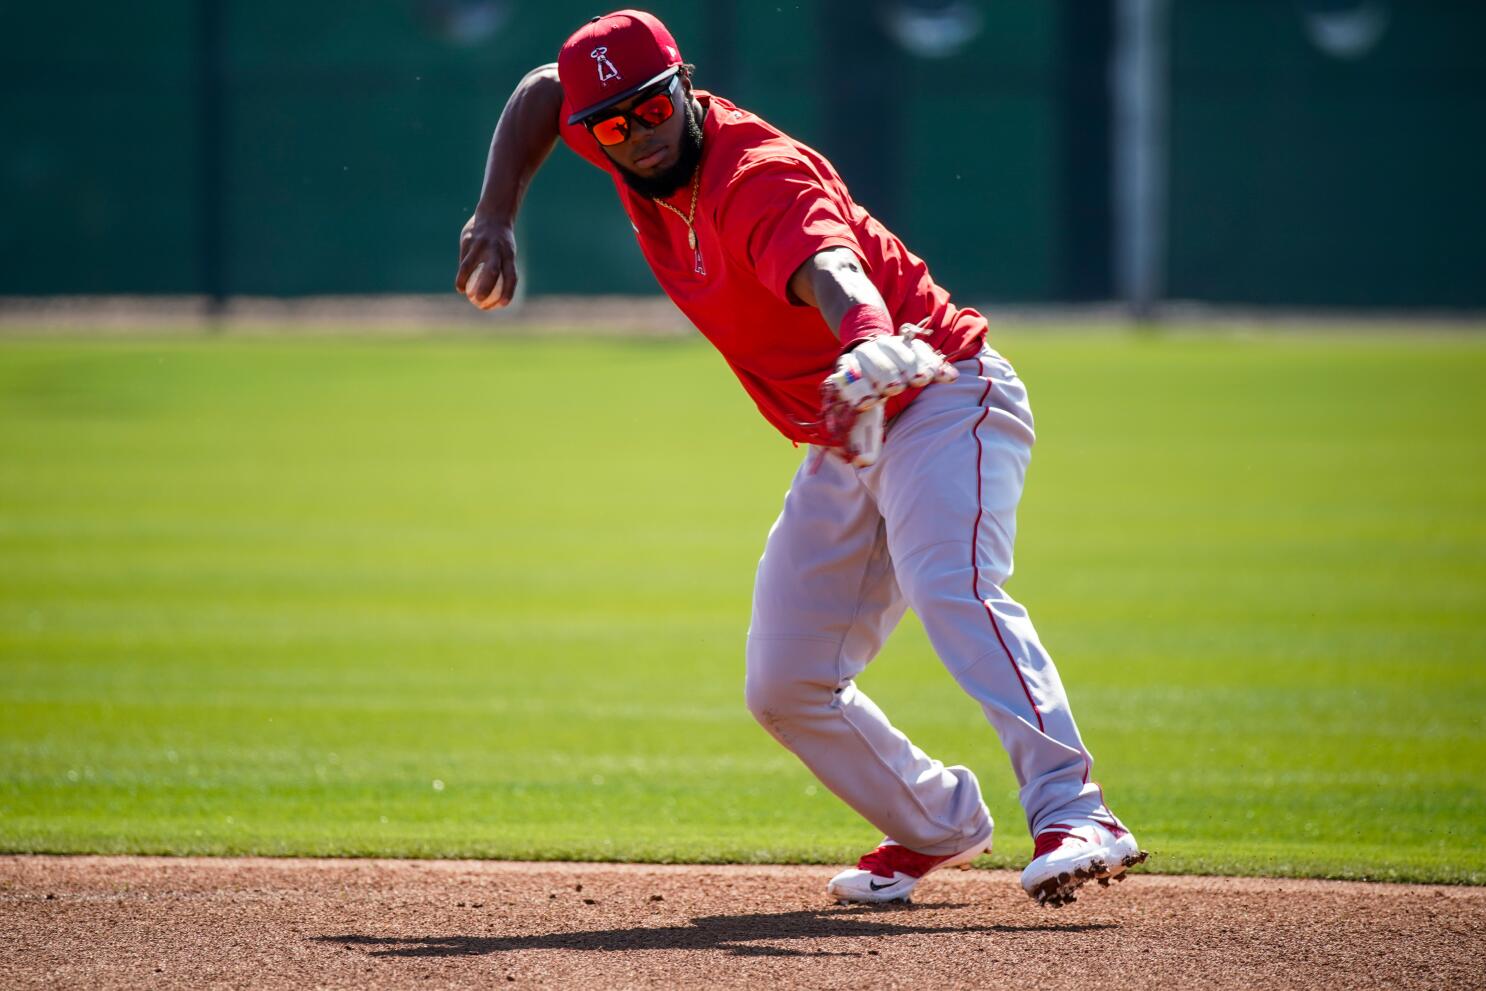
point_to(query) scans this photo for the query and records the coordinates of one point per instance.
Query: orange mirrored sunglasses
(650, 112)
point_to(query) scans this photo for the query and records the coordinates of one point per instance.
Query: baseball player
(919, 432)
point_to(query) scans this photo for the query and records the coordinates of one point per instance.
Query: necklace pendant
(691, 238)
(698, 267)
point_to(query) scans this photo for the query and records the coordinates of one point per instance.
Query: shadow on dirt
(738, 935)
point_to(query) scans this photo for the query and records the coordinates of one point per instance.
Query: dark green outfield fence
(1302, 177)
(329, 146)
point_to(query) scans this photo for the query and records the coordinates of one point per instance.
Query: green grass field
(487, 598)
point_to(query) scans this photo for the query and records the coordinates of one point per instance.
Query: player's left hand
(881, 367)
(852, 396)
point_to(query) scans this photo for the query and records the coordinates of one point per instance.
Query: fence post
(1140, 150)
(211, 110)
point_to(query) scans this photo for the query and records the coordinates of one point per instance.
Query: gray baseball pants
(931, 526)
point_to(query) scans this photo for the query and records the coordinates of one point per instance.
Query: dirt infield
(179, 923)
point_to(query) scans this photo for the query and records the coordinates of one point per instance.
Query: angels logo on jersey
(605, 67)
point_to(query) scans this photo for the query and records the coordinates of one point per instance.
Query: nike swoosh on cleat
(878, 887)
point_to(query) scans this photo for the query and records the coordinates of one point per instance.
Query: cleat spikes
(1075, 854)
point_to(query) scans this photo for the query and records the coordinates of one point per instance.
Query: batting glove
(859, 435)
(852, 396)
(884, 366)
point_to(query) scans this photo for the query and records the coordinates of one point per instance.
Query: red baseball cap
(613, 57)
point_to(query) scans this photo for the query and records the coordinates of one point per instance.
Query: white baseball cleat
(1072, 853)
(892, 871)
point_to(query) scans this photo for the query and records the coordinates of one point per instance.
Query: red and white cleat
(892, 871)
(1072, 853)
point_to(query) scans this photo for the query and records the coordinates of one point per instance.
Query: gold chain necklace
(691, 232)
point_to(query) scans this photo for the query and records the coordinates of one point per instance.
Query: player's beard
(663, 184)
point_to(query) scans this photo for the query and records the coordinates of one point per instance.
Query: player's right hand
(487, 262)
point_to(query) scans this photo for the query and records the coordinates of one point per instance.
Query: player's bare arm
(833, 281)
(524, 136)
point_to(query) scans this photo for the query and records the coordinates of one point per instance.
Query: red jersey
(765, 204)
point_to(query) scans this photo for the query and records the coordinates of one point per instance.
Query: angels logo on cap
(606, 68)
(630, 38)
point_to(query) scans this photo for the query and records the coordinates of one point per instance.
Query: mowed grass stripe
(258, 596)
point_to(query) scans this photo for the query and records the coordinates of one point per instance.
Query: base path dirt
(141, 922)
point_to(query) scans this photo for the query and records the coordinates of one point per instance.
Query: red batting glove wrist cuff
(863, 322)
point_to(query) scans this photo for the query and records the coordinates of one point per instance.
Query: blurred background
(1310, 153)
